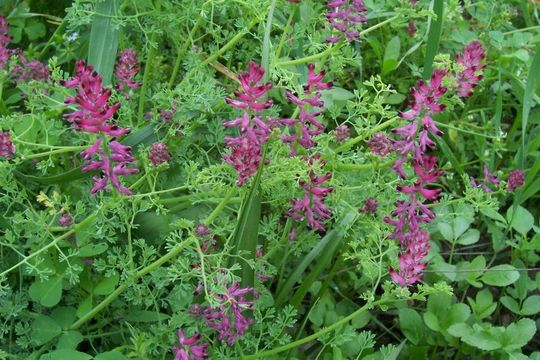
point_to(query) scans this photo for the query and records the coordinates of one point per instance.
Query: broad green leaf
(479, 338)
(93, 249)
(411, 325)
(107, 285)
(510, 304)
(446, 231)
(111, 355)
(391, 55)
(471, 236)
(85, 306)
(522, 221)
(432, 321)
(500, 275)
(64, 316)
(531, 305)
(47, 293)
(70, 340)
(519, 334)
(104, 37)
(44, 329)
(34, 29)
(65, 354)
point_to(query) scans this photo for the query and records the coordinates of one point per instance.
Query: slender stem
(51, 244)
(109, 299)
(220, 207)
(58, 30)
(327, 52)
(318, 334)
(284, 35)
(464, 131)
(57, 151)
(182, 50)
(359, 167)
(266, 40)
(149, 61)
(362, 137)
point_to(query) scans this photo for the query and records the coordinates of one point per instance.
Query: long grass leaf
(434, 38)
(104, 38)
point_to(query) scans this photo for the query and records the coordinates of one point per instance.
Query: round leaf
(500, 275)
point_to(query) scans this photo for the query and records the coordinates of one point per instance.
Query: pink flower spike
(516, 179)
(7, 149)
(126, 69)
(189, 350)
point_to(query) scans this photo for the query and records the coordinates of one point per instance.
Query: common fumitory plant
(277, 179)
(247, 149)
(413, 143)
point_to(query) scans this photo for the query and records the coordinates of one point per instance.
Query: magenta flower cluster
(25, 70)
(516, 179)
(7, 149)
(344, 16)
(246, 150)
(4, 42)
(29, 70)
(112, 166)
(94, 115)
(159, 153)
(228, 318)
(489, 179)
(125, 70)
(311, 207)
(412, 143)
(310, 107)
(189, 349)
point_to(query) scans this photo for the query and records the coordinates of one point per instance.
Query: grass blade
(530, 89)
(434, 38)
(104, 37)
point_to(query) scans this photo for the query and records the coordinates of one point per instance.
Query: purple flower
(411, 263)
(125, 70)
(29, 70)
(95, 113)
(228, 319)
(65, 220)
(380, 145)
(516, 179)
(201, 230)
(342, 132)
(344, 16)
(246, 149)
(252, 94)
(310, 106)
(470, 60)
(370, 206)
(311, 207)
(4, 41)
(111, 167)
(189, 349)
(7, 149)
(411, 28)
(489, 178)
(159, 153)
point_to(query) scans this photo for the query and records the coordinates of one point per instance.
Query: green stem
(316, 335)
(58, 30)
(109, 299)
(339, 45)
(359, 167)
(57, 151)
(266, 40)
(149, 61)
(284, 35)
(51, 244)
(362, 137)
(220, 207)
(182, 50)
